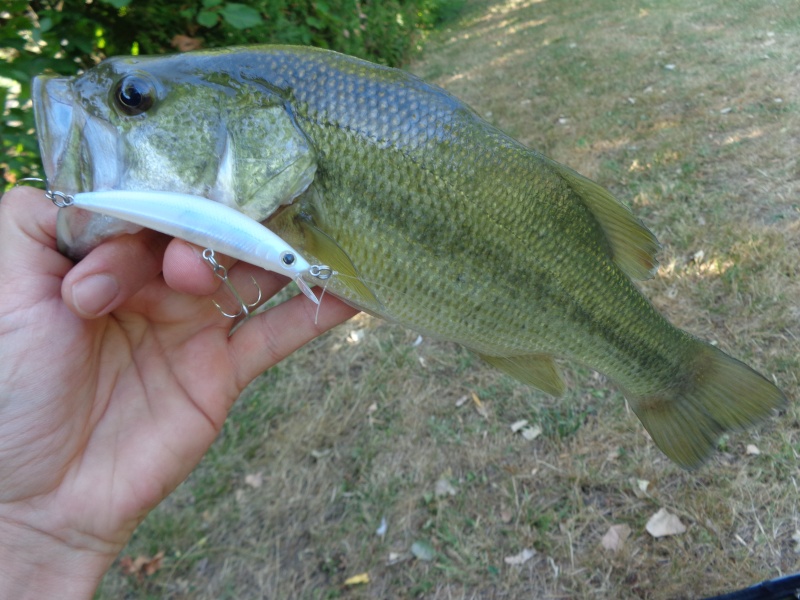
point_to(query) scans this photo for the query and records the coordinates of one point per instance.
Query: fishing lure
(203, 222)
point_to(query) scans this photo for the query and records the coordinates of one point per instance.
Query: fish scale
(502, 259)
(432, 218)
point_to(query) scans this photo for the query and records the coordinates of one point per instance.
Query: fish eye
(134, 95)
(287, 258)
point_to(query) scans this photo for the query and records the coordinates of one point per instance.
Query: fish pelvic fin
(537, 370)
(719, 394)
(633, 246)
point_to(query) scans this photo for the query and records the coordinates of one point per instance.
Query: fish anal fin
(538, 370)
(719, 394)
(633, 246)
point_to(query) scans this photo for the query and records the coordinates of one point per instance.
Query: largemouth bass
(430, 216)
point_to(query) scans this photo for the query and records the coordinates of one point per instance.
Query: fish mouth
(52, 111)
(79, 153)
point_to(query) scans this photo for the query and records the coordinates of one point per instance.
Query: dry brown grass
(673, 105)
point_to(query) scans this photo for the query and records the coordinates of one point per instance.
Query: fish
(203, 222)
(430, 216)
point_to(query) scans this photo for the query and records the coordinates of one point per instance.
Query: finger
(28, 234)
(270, 337)
(187, 272)
(269, 283)
(113, 272)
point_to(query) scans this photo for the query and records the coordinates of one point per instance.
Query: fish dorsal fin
(327, 250)
(537, 370)
(633, 246)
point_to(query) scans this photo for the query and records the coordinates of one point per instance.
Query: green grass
(355, 429)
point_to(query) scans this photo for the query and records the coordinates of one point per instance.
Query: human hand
(102, 415)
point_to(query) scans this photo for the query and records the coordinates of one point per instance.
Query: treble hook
(222, 273)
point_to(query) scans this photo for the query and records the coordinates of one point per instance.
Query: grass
(689, 112)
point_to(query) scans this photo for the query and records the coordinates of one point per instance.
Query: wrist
(35, 564)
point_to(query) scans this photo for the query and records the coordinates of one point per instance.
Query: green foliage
(66, 37)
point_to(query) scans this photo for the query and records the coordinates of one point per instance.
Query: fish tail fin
(717, 394)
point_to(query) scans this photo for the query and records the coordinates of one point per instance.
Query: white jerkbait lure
(203, 222)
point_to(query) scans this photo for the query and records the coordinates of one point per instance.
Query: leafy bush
(70, 35)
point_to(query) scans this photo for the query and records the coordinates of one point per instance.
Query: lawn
(376, 453)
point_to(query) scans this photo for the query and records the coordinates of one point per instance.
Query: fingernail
(92, 294)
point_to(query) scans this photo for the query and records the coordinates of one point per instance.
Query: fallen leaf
(384, 526)
(480, 406)
(554, 566)
(184, 43)
(518, 425)
(444, 488)
(752, 449)
(532, 432)
(641, 487)
(126, 565)
(355, 336)
(141, 566)
(529, 432)
(359, 579)
(154, 564)
(615, 537)
(423, 550)
(461, 401)
(664, 523)
(254, 480)
(521, 558)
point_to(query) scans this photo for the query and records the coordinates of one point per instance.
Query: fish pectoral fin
(717, 394)
(326, 249)
(538, 370)
(633, 246)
